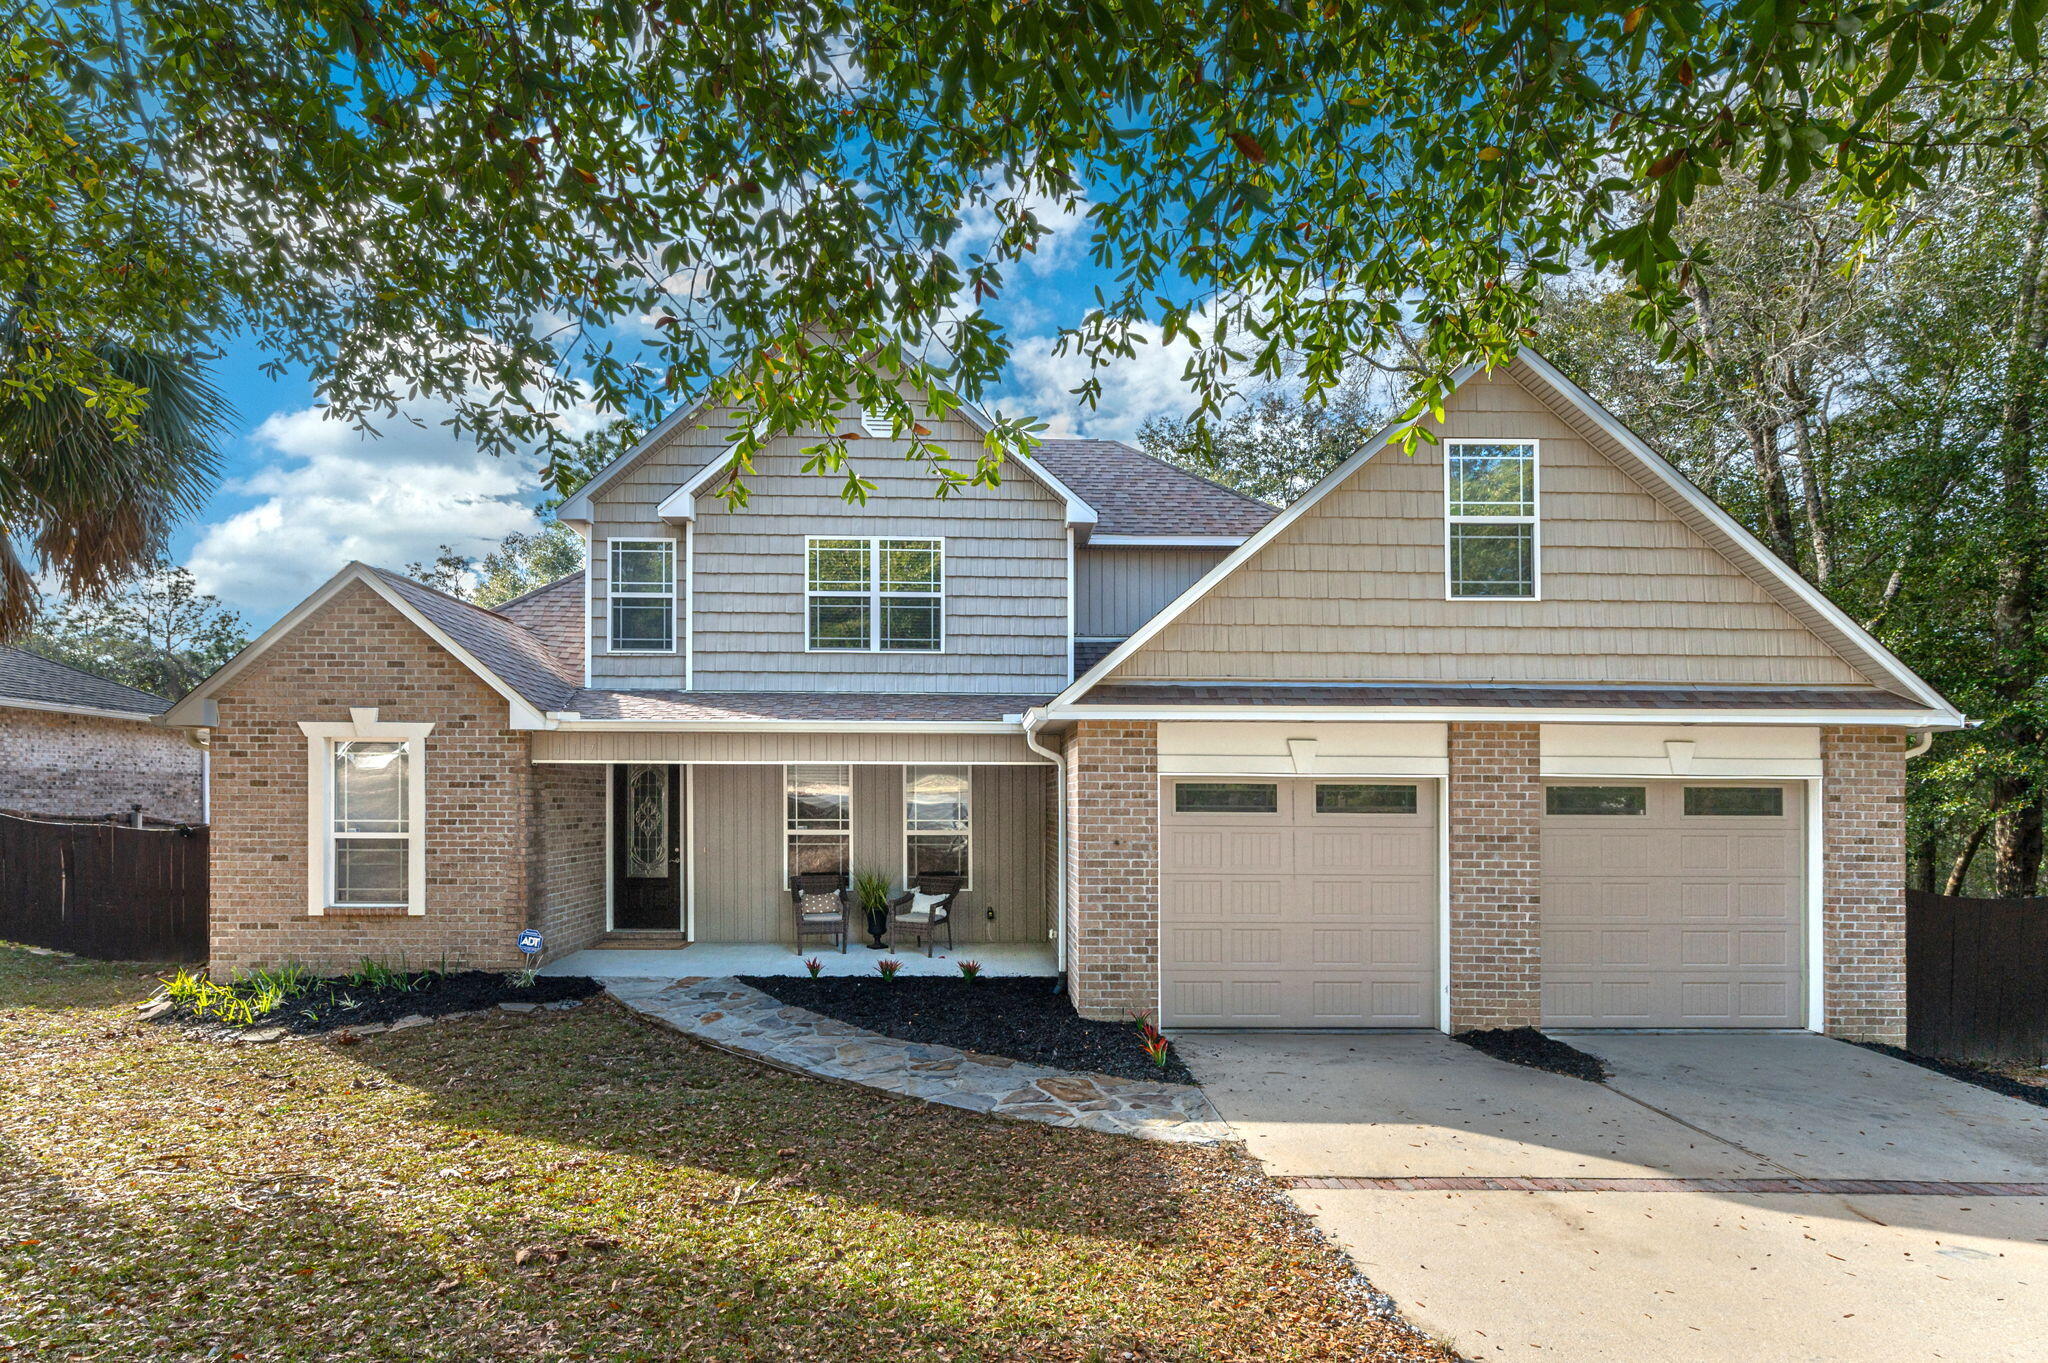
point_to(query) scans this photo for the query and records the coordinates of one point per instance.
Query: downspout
(202, 739)
(1920, 744)
(1032, 718)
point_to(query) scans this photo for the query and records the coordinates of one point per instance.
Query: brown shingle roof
(1533, 697)
(513, 653)
(1136, 494)
(37, 680)
(554, 613)
(828, 707)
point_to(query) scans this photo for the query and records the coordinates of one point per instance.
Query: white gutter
(1059, 824)
(1890, 719)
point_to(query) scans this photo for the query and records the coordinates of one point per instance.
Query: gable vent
(875, 422)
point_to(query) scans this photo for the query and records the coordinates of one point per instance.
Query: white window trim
(967, 881)
(320, 740)
(1533, 521)
(612, 594)
(789, 830)
(875, 594)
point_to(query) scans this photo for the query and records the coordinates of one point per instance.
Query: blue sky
(302, 495)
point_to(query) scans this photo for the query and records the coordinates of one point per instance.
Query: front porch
(716, 959)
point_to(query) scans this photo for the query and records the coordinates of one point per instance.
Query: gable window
(877, 595)
(643, 596)
(366, 796)
(1490, 536)
(818, 822)
(936, 822)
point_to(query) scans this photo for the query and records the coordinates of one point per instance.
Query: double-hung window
(937, 822)
(874, 594)
(1490, 530)
(366, 808)
(818, 823)
(643, 596)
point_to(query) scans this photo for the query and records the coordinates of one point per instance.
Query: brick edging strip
(1893, 1187)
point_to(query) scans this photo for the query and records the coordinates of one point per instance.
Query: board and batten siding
(1119, 588)
(1355, 589)
(1005, 572)
(740, 889)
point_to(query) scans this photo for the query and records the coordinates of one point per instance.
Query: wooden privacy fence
(1976, 977)
(105, 890)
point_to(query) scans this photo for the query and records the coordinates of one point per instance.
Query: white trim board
(196, 709)
(1654, 469)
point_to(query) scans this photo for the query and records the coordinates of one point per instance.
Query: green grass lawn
(578, 1185)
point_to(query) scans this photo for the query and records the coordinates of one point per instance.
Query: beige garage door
(1668, 904)
(1298, 903)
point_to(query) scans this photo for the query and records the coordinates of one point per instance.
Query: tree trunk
(2016, 841)
(1920, 873)
(1960, 872)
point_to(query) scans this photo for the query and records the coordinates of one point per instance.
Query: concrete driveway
(1541, 1245)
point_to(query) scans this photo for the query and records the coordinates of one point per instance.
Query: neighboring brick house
(76, 744)
(1516, 729)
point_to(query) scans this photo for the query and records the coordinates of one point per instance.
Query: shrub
(970, 970)
(889, 967)
(814, 965)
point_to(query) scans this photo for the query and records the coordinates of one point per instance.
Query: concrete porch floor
(715, 959)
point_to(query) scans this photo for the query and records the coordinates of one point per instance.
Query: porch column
(1863, 897)
(1113, 868)
(1496, 857)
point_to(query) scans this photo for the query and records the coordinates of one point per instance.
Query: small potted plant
(871, 892)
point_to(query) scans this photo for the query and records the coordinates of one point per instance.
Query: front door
(647, 846)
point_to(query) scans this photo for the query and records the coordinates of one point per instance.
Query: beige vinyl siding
(740, 894)
(1354, 590)
(759, 746)
(626, 509)
(1117, 589)
(1005, 576)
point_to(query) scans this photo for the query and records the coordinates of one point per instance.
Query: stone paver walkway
(734, 1016)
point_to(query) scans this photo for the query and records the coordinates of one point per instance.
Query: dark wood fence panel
(102, 890)
(1977, 977)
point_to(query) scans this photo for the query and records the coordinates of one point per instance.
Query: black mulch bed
(460, 991)
(1527, 1046)
(1022, 1018)
(1965, 1071)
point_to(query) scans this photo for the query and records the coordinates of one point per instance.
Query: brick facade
(568, 870)
(1496, 856)
(357, 651)
(87, 765)
(1113, 868)
(1863, 803)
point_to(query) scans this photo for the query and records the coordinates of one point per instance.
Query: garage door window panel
(1599, 801)
(1332, 798)
(1729, 802)
(1226, 798)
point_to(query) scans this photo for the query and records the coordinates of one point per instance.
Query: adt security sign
(529, 942)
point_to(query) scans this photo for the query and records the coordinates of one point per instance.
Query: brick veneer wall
(357, 651)
(1113, 867)
(85, 764)
(1863, 839)
(568, 871)
(1496, 856)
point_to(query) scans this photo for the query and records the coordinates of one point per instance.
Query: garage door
(1667, 904)
(1298, 903)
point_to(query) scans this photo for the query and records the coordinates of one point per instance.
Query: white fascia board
(1166, 541)
(1244, 551)
(186, 713)
(793, 726)
(1886, 719)
(576, 506)
(91, 711)
(1728, 525)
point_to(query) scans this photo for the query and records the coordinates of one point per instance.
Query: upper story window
(875, 594)
(1490, 530)
(643, 596)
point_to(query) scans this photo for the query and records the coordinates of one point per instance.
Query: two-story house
(1515, 728)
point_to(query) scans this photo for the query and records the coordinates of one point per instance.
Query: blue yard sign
(529, 942)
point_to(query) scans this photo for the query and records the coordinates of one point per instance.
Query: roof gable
(1645, 581)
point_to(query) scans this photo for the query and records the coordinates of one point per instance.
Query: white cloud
(1149, 384)
(329, 494)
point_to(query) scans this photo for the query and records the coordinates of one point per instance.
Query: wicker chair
(924, 924)
(818, 907)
